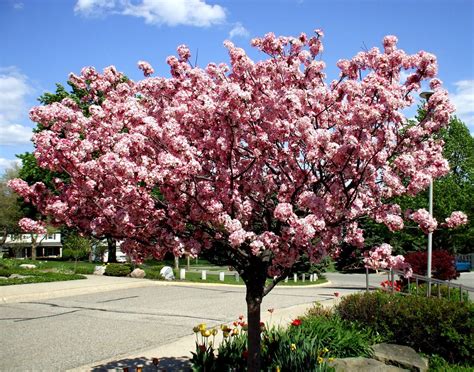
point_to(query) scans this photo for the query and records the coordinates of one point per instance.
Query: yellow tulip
(205, 333)
(196, 329)
(292, 347)
(202, 326)
(214, 331)
(320, 360)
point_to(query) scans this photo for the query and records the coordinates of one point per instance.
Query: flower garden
(437, 328)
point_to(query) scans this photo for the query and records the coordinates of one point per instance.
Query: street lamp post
(426, 96)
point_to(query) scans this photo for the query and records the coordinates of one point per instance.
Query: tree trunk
(254, 298)
(112, 249)
(34, 244)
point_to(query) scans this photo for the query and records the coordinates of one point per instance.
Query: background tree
(77, 247)
(454, 191)
(259, 163)
(10, 212)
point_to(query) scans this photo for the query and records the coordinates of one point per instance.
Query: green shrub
(117, 269)
(71, 254)
(443, 291)
(153, 272)
(439, 364)
(429, 325)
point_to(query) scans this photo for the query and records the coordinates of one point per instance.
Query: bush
(429, 325)
(117, 269)
(442, 264)
(452, 294)
(71, 254)
(153, 272)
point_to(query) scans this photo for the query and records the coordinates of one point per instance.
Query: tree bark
(112, 249)
(34, 244)
(254, 296)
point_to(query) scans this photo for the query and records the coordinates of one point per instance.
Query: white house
(19, 245)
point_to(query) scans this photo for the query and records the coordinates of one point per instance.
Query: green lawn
(48, 271)
(213, 277)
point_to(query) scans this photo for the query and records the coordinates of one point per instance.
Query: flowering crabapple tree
(256, 163)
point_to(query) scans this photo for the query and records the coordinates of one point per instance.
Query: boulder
(360, 364)
(99, 270)
(399, 355)
(28, 266)
(167, 273)
(18, 276)
(138, 273)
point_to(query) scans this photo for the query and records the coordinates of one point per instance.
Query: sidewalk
(93, 284)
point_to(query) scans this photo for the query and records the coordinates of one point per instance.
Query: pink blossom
(30, 226)
(146, 68)
(265, 158)
(283, 211)
(426, 222)
(455, 220)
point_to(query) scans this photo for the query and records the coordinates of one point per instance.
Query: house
(19, 245)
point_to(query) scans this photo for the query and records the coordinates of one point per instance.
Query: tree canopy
(259, 163)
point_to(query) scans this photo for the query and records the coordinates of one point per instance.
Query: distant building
(19, 245)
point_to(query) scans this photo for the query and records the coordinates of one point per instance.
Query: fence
(415, 279)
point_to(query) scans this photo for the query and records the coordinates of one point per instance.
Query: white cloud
(14, 89)
(168, 12)
(463, 99)
(18, 6)
(9, 163)
(238, 30)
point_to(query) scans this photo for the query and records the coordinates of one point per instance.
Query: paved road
(67, 332)
(63, 333)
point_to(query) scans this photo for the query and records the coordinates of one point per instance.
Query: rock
(167, 273)
(138, 273)
(362, 365)
(17, 276)
(99, 270)
(28, 266)
(3, 277)
(399, 355)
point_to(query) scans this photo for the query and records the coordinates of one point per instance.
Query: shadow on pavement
(147, 365)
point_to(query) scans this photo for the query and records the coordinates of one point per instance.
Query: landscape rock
(17, 276)
(28, 266)
(99, 270)
(360, 364)
(138, 273)
(167, 273)
(400, 355)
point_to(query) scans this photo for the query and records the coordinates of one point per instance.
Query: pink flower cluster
(426, 222)
(455, 220)
(264, 159)
(30, 226)
(381, 257)
(146, 68)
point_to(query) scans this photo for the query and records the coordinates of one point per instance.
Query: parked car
(463, 265)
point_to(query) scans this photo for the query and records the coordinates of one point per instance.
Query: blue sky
(42, 41)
